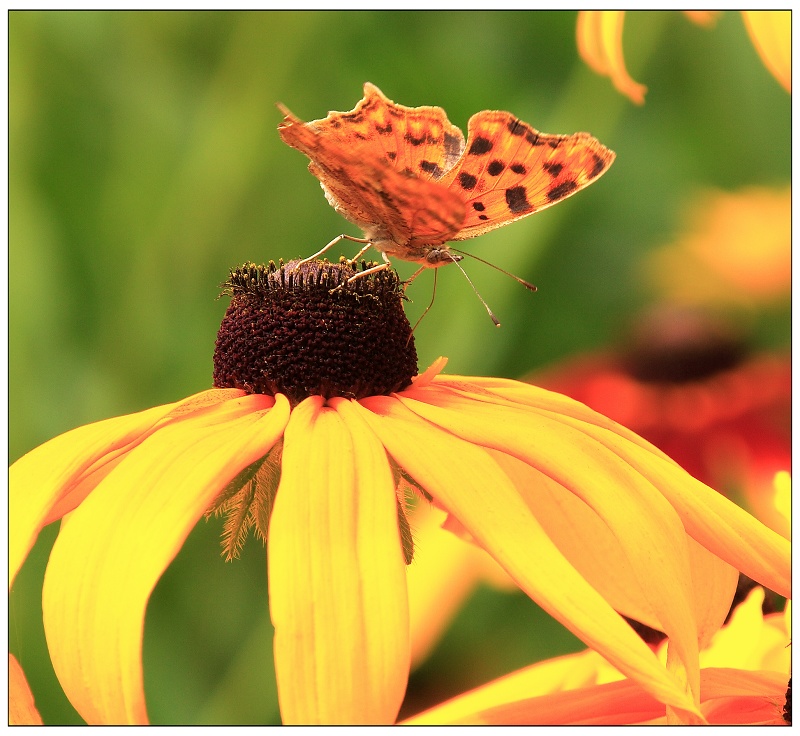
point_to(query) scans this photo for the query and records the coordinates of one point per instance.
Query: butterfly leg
(333, 242)
(362, 251)
(414, 275)
(382, 267)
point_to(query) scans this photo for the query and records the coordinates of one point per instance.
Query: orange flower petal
(468, 482)
(600, 46)
(337, 584)
(113, 548)
(21, 708)
(771, 34)
(582, 669)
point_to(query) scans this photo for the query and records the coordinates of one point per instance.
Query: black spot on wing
(415, 141)
(562, 190)
(517, 200)
(495, 168)
(555, 142)
(483, 217)
(353, 117)
(479, 206)
(518, 168)
(480, 146)
(554, 169)
(517, 127)
(599, 166)
(384, 129)
(432, 168)
(467, 181)
(533, 138)
(391, 155)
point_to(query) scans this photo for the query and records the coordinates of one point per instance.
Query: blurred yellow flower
(736, 250)
(599, 34)
(743, 680)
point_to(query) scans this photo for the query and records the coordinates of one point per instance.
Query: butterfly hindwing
(510, 170)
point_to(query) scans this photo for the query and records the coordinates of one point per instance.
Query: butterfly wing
(393, 207)
(417, 140)
(510, 170)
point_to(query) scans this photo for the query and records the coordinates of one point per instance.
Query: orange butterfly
(407, 178)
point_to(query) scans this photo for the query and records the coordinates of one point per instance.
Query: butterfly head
(440, 256)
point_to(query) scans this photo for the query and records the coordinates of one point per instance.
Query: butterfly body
(408, 178)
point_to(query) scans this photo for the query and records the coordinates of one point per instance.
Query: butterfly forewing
(368, 190)
(419, 140)
(510, 170)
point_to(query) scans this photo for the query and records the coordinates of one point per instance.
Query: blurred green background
(144, 163)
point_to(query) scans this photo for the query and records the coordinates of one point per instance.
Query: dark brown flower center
(306, 330)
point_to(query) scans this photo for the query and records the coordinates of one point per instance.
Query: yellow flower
(742, 681)
(585, 516)
(599, 35)
(736, 249)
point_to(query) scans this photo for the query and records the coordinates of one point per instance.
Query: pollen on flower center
(305, 330)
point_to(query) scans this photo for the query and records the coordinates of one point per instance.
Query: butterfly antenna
(483, 301)
(433, 297)
(527, 284)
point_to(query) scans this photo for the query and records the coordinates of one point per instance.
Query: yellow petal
(38, 480)
(628, 503)
(55, 477)
(337, 585)
(113, 548)
(600, 45)
(21, 708)
(444, 573)
(771, 34)
(711, 519)
(469, 484)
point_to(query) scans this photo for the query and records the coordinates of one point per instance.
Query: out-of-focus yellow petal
(783, 494)
(613, 703)
(444, 572)
(582, 669)
(728, 697)
(56, 476)
(21, 708)
(628, 503)
(337, 585)
(113, 548)
(736, 249)
(600, 45)
(733, 697)
(771, 34)
(705, 18)
(467, 481)
(750, 640)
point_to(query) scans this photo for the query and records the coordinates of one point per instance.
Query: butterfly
(407, 177)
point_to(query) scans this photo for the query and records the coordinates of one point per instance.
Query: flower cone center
(305, 330)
